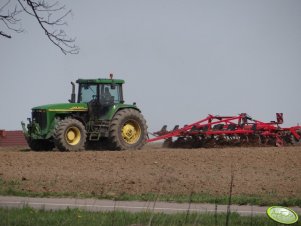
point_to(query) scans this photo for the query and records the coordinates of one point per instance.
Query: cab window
(107, 91)
(87, 93)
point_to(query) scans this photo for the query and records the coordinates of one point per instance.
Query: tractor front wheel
(128, 130)
(70, 135)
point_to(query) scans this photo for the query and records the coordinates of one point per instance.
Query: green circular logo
(282, 215)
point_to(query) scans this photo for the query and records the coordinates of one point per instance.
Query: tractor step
(94, 136)
(99, 130)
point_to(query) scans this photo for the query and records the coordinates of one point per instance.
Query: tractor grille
(40, 117)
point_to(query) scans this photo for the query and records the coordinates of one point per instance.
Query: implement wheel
(128, 130)
(70, 135)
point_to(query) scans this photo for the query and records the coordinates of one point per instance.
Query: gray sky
(181, 59)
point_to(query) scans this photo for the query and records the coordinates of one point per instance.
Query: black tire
(128, 130)
(40, 145)
(70, 135)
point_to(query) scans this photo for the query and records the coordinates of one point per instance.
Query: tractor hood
(65, 107)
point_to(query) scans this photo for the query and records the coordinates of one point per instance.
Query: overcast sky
(181, 59)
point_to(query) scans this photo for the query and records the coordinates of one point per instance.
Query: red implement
(240, 130)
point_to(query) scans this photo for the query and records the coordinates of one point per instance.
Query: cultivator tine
(296, 140)
(279, 140)
(162, 131)
(164, 128)
(194, 129)
(176, 127)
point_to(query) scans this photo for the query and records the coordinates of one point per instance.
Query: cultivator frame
(218, 131)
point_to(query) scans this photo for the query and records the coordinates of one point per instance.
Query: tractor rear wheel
(70, 135)
(128, 130)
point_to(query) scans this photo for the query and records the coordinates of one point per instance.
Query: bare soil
(257, 171)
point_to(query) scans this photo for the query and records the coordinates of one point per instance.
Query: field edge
(10, 188)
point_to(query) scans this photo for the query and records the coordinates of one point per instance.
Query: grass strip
(12, 188)
(29, 217)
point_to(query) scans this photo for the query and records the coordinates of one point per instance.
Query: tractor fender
(124, 106)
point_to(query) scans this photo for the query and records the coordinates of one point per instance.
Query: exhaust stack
(72, 100)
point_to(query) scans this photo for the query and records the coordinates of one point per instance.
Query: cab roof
(99, 81)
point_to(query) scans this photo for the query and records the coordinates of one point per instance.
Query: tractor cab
(102, 92)
(99, 94)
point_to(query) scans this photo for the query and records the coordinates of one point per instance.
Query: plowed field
(155, 170)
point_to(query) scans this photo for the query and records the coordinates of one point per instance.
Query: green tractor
(98, 119)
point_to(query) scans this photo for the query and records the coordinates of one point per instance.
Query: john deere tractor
(97, 118)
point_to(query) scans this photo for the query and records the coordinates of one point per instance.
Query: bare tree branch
(24, 8)
(10, 20)
(5, 35)
(44, 13)
(58, 38)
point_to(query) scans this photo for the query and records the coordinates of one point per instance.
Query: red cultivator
(241, 130)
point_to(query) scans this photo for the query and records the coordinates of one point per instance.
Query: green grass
(13, 188)
(30, 217)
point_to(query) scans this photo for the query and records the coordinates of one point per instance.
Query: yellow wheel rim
(131, 132)
(72, 135)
